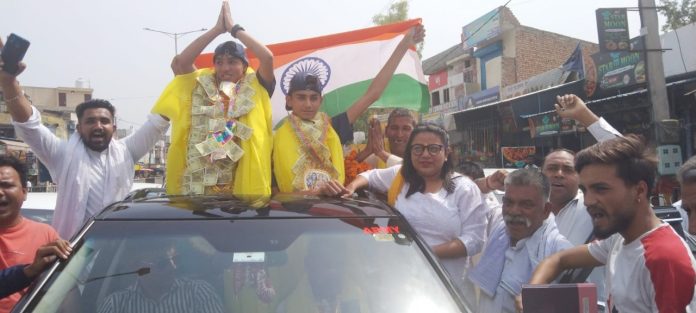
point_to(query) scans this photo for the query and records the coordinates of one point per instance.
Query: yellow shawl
(287, 151)
(253, 173)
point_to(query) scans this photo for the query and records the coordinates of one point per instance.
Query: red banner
(437, 80)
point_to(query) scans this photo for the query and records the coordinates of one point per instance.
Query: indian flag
(346, 64)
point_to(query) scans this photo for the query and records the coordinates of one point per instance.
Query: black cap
(304, 81)
(233, 49)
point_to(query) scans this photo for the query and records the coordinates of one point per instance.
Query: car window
(353, 265)
(38, 215)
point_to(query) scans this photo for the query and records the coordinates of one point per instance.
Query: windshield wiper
(141, 271)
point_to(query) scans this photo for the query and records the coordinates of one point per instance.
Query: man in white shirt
(92, 168)
(565, 201)
(517, 244)
(559, 167)
(649, 268)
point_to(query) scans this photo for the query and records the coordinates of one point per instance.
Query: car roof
(226, 207)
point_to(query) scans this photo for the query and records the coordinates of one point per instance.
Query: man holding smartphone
(92, 168)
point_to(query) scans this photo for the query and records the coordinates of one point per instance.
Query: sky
(103, 41)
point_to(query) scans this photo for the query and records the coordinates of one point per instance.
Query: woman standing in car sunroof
(443, 206)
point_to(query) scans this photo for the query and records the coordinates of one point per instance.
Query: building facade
(57, 107)
(497, 58)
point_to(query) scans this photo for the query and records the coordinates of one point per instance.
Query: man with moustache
(649, 268)
(92, 168)
(517, 245)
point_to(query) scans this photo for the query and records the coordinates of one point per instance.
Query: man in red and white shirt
(649, 268)
(20, 238)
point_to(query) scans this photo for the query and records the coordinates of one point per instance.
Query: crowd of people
(223, 143)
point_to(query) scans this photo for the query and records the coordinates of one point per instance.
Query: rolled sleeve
(602, 130)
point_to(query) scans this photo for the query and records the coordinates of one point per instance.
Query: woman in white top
(445, 208)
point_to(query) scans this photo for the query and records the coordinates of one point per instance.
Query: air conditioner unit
(669, 158)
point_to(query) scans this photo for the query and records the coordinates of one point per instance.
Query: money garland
(314, 163)
(213, 146)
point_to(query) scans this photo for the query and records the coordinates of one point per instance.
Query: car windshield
(250, 265)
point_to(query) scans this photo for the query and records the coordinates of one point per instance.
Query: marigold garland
(353, 167)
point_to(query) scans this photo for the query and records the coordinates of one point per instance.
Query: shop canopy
(531, 103)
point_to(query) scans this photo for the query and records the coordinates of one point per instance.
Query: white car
(39, 206)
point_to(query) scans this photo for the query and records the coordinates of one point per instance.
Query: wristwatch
(235, 29)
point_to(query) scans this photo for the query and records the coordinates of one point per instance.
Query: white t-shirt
(440, 217)
(654, 273)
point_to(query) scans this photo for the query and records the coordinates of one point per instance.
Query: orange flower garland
(353, 167)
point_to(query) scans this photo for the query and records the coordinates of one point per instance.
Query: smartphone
(13, 52)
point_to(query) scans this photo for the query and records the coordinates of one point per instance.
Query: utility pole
(653, 59)
(176, 36)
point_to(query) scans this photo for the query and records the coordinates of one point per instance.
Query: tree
(678, 14)
(398, 11)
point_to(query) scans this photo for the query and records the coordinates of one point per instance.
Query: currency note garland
(314, 163)
(215, 134)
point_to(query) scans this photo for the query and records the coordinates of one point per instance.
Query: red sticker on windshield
(381, 230)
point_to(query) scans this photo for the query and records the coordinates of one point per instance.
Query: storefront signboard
(548, 124)
(446, 107)
(612, 29)
(615, 70)
(480, 98)
(542, 81)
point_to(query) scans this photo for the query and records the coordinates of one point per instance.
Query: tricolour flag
(347, 63)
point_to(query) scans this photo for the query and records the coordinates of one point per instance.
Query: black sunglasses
(418, 149)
